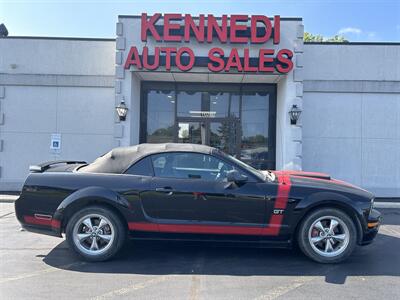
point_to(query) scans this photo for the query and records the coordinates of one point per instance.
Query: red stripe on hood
(336, 181)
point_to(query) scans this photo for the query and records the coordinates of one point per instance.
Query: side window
(142, 167)
(187, 165)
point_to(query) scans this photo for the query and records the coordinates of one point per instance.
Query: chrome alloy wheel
(93, 234)
(329, 236)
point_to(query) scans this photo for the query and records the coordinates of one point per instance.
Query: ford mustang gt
(197, 193)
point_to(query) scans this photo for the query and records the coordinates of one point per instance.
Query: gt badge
(278, 211)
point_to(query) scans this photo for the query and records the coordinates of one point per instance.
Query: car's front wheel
(95, 233)
(327, 235)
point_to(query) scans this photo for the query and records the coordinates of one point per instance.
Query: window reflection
(255, 116)
(225, 104)
(212, 104)
(191, 132)
(160, 116)
(188, 103)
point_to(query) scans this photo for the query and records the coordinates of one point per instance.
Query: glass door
(193, 132)
(224, 135)
(221, 133)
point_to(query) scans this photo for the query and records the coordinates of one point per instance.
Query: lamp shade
(122, 111)
(294, 113)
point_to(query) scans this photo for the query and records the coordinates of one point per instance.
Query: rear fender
(87, 196)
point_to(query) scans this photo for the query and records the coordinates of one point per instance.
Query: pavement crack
(7, 214)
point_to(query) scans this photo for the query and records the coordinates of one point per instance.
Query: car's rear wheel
(95, 233)
(327, 235)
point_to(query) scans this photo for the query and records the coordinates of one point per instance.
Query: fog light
(372, 224)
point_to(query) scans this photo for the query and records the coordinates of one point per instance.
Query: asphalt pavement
(35, 266)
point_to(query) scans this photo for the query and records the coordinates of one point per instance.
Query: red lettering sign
(198, 31)
(257, 29)
(268, 29)
(235, 27)
(148, 25)
(221, 31)
(178, 58)
(168, 26)
(216, 63)
(133, 59)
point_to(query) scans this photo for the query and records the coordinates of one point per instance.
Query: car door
(178, 183)
(234, 204)
(192, 187)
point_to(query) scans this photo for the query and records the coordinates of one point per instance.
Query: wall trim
(58, 38)
(351, 86)
(354, 43)
(104, 81)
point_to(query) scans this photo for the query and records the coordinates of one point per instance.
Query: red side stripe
(283, 192)
(43, 222)
(55, 224)
(210, 229)
(142, 226)
(36, 221)
(272, 228)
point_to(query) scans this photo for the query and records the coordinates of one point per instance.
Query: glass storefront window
(160, 116)
(239, 119)
(189, 103)
(214, 104)
(255, 112)
(225, 104)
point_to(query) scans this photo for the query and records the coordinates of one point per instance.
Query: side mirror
(236, 177)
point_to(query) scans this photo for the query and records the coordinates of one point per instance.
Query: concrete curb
(8, 198)
(386, 205)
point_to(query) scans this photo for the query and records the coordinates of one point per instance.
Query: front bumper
(373, 223)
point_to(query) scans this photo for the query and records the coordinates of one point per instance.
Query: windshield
(245, 166)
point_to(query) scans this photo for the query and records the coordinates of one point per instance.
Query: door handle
(168, 190)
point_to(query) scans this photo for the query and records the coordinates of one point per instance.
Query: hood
(321, 181)
(304, 174)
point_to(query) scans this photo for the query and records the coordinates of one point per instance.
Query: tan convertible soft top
(119, 159)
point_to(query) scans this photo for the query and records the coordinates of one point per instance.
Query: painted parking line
(284, 289)
(41, 272)
(133, 287)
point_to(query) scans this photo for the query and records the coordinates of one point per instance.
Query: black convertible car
(193, 192)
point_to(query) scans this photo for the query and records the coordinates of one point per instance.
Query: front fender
(353, 206)
(318, 198)
(84, 196)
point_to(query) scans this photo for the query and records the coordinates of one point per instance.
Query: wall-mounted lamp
(294, 113)
(122, 110)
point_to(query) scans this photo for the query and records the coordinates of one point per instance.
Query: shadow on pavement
(161, 258)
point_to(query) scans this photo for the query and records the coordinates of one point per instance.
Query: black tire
(116, 224)
(304, 235)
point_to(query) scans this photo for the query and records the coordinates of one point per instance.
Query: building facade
(229, 82)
